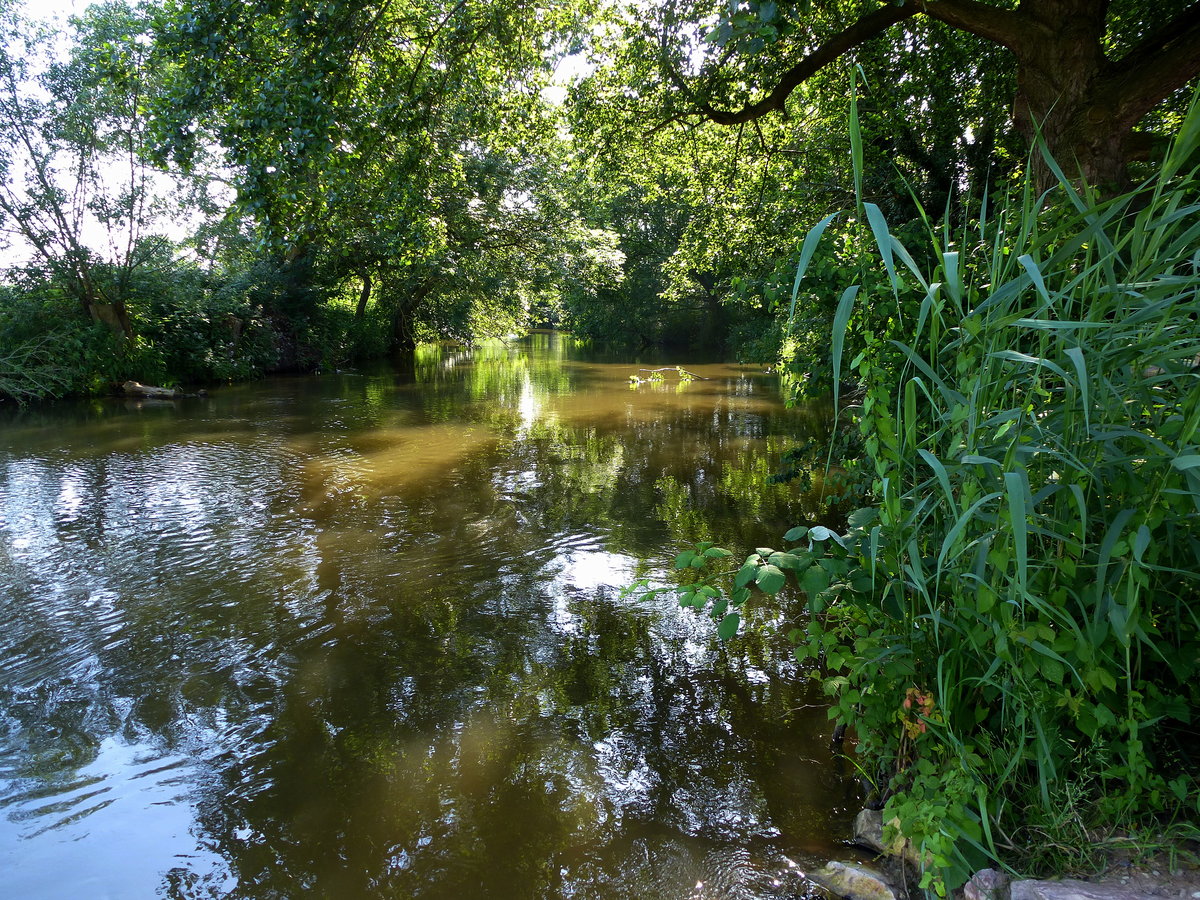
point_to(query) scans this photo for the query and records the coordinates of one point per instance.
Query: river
(362, 635)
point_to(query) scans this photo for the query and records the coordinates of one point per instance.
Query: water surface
(362, 635)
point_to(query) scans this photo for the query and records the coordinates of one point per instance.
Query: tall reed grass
(1014, 624)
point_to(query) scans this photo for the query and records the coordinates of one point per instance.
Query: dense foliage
(1011, 626)
(196, 191)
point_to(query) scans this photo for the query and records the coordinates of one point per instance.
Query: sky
(54, 9)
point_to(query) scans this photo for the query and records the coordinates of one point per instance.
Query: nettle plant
(1013, 626)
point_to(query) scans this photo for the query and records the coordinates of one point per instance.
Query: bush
(1028, 571)
(194, 329)
(48, 348)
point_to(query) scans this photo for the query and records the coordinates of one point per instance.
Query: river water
(362, 635)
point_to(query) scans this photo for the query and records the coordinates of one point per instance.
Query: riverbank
(892, 875)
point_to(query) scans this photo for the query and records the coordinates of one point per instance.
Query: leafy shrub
(191, 331)
(48, 348)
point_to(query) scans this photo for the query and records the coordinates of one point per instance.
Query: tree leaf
(796, 534)
(770, 579)
(729, 626)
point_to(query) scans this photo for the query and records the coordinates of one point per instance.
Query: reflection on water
(361, 636)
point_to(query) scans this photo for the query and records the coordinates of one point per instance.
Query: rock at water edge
(987, 884)
(1070, 889)
(853, 882)
(868, 830)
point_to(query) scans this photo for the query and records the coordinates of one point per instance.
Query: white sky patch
(569, 70)
(54, 10)
(173, 219)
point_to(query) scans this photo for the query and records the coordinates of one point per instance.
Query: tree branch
(861, 31)
(1163, 62)
(1005, 27)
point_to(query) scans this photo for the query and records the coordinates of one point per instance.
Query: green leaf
(745, 575)
(811, 240)
(1014, 484)
(770, 579)
(863, 517)
(841, 320)
(796, 534)
(883, 242)
(717, 553)
(684, 559)
(821, 533)
(729, 626)
(815, 580)
(789, 561)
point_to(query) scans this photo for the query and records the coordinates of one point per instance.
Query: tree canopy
(1087, 72)
(412, 162)
(971, 223)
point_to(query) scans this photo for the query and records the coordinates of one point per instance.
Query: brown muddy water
(363, 636)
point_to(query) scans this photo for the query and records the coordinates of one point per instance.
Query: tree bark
(1070, 94)
(114, 315)
(402, 336)
(1060, 58)
(363, 296)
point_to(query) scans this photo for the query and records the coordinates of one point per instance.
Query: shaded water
(362, 636)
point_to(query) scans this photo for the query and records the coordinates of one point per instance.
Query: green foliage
(1030, 559)
(47, 349)
(191, 333)
(1014, 624)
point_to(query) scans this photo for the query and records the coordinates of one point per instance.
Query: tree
(77, 190)
(399, 144)
(1087, 71)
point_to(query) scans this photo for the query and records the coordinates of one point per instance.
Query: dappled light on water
(364, 636)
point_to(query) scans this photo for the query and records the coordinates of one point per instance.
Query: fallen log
(680, 370)
(137, 389)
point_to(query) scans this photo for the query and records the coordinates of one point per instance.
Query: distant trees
(404, 146)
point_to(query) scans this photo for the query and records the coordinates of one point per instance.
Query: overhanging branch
(1162, 63)
(861, 31)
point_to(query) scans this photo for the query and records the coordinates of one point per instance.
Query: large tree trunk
(110, 313)
(1060, 66)
(1082, 103)
(114, 315)
(364, 296)
(402, 316)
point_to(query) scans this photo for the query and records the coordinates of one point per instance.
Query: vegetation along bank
(974, 223)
